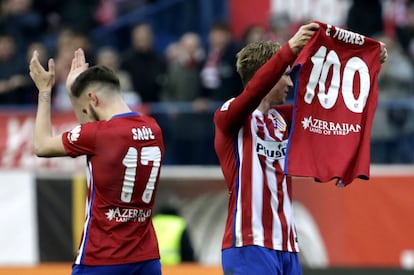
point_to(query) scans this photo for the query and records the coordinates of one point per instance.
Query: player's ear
(93, 99)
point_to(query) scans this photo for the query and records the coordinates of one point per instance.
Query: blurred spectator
(173, 237)
(50, 13)
(365, 17)
(392, 133)
(281, 27)
(403, 19)
(254, 33)
(219, 77)
(281, 30)
(13, 72)
(106, 12)
(109, 57)
(67, 42)
(146, 67)
(183, 84)
(126, 6)
(77, 15)
(184, 64)
(18, 18)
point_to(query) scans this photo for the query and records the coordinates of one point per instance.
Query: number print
(150, 155)
(319, 74)
(130, 162)
(356, 64)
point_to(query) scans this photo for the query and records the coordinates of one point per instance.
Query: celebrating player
(251, 134)
(124, 151)
(250, 142)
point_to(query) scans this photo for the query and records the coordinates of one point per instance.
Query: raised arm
(45, 144)
(236, 112)
(78, 66)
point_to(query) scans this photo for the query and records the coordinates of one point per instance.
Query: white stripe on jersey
(238, 220)
(88, 213)
(257, 193)
(274, 201)
(287, 209)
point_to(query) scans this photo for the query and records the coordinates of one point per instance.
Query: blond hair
(253, 56)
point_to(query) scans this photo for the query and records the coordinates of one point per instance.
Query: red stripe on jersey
(292, 229)
(280, 210)
(246, 189)
(267, 212)
(267, 218)
(292, 234)
(280, 195)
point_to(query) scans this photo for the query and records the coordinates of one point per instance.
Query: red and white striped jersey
(124, 155)
(251, 149)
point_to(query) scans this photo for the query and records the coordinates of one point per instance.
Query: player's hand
(383, 54)
(44, 80)
(78, 66)
(302, 36)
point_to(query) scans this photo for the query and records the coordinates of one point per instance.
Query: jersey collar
(126, 114)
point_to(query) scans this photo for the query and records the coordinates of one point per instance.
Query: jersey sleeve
(234, 112)
(80, 140)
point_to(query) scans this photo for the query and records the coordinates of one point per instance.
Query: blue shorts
(259, 260)
(152, 267)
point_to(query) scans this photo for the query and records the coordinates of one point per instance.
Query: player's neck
(117, 107)
(264, 107)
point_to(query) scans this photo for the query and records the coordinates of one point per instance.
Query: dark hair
(95, 75)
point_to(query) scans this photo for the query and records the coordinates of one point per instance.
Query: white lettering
(347, 36)
(142, 133)
(319, 78)
(324, 127)
(128, 215)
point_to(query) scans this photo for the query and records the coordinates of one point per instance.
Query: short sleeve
(81, 140)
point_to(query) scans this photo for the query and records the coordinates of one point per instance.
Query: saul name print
(142, 133)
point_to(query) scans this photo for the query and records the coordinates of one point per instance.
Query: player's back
(124, 161)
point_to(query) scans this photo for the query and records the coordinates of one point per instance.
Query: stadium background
(366, 227)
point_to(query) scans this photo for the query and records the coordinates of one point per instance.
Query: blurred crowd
(195, 70)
